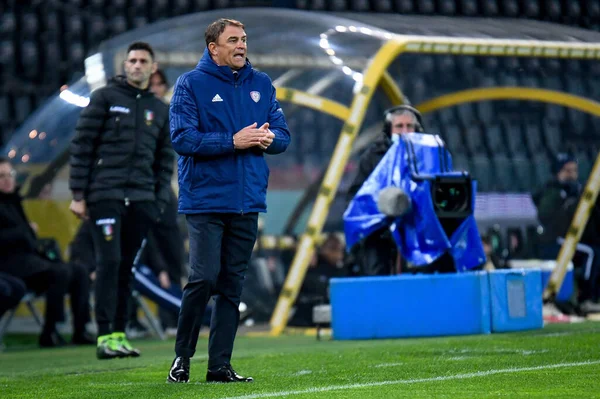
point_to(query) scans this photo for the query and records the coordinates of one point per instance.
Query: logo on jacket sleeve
(119, 109)
(255, 96)
(148, 117)
(217, 98)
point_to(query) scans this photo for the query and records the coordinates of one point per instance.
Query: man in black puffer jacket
(121, 167)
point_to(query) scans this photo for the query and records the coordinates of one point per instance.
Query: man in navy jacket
(224, 117)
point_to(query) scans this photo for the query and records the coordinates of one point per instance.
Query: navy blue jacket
(210, 105)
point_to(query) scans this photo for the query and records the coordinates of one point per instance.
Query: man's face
(157, 86)
(569, 173)
(230, 48)
(403, 123)
(138, 68)
(7, 178)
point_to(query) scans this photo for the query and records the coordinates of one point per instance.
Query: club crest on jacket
(255, 96)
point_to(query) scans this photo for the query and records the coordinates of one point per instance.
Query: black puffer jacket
(16, 235)
(367, 163)
(122, 146)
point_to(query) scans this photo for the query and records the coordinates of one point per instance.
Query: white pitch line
(414, 381)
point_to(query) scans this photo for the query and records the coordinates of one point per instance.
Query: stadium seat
(469, 8)
(474, 140)
(180, 7)
(466, 114)
(338, 5)
(510, 8)
(140, 5)
(460, 162)
(4, 109)
(7, 56)
(221, 3)
(531, 8)
(30, 60)
(447, 116)
(555, 113)
(405, 6)
(22, 106)
(533, 137)
(514, 138)
(200, 5)
(447, 7)
(542, 168)
(466, 65)
(8, 25)
(575, 84)
(452, 136)
(481, 170)
(426, 7)
(592, 9)
(576, 121)
(552, 136)
(383, 6)
(504, 177)
(96, 30)
(76, 56)
(139, 21)
(73, 27)
(159, 10)
(495, 139)
(584, 165)
(363, 5)
(553, 10)
(50, 27)
(97, 6)
(29, 27)
(524, 173)
(118, 24)
(486, 112)
(490, 8)
(573, 10)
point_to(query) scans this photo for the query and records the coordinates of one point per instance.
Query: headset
(387, 125)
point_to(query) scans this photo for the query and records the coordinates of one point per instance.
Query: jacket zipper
(241, 160)
(135, 139)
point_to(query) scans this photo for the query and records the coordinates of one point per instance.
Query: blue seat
(29, 26)
(585, 164)
(338, 5)
(30, 60)
(8, 24)
(363, 5)
(180, 7)
(542, 168)
(466, 114)
(514, 138)
(22, 106)
(533, 137)
(4, 109)
(553, 10)
(96, 30)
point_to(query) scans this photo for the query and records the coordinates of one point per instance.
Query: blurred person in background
(325, 265)
(159, 85)
(121, 167)
(21, 258)
(377, 254)
(556, 204)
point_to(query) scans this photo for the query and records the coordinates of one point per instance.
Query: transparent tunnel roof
(301, 50)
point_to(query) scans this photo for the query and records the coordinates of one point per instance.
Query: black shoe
(82, 339)
(180, 370)
(226, 374)
(51, 340)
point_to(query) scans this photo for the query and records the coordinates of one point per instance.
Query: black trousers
(117, 231)
(12, 290)
(220, 250)
(55, 279)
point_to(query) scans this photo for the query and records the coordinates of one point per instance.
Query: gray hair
(390, 116)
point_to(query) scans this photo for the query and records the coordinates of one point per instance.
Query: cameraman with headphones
(377, 254)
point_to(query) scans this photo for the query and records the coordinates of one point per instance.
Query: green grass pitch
(559, 361)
